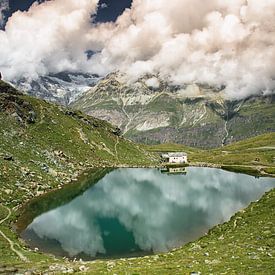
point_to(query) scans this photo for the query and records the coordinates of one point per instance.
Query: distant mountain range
(63, 88)
(153, 111)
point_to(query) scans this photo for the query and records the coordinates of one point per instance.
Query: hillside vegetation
(45, 146)
(253, 156)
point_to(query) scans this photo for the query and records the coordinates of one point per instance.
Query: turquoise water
(131, 212)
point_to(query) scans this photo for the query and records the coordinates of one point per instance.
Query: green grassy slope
(171, 147)
(257, 151)
(254, 155)
(43, 146)
(258, 142)
(255, 117)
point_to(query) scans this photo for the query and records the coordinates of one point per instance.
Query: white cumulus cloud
(217, 42)
(50, 37)
(223, 43)
(152, 82)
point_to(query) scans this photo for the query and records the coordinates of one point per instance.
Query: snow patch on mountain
(63, 88)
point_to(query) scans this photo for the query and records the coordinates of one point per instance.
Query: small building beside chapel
(178, 158)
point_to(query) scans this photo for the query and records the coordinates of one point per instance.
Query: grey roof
(174, 155)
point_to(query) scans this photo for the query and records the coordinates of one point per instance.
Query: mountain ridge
(194, 115)
(62, 88)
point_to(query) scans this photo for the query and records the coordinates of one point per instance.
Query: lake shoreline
(123, 181)
(82, 173)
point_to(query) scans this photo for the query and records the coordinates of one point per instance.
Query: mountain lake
(130, 212)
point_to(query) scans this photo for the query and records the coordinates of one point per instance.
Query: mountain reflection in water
(134, 210)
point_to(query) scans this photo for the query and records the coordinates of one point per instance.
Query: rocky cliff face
(152, 111)
(61, 88)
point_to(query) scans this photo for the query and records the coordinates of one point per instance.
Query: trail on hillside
(101, 146)
(11, 243)
(83, 136)
(42, 115)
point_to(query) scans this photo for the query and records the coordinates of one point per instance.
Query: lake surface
(132, 212)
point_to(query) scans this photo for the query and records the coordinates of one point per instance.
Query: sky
(109, 11)
(222, 43)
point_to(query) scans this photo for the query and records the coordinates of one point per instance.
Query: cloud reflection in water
(142, 209)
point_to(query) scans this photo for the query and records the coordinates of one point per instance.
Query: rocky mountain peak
(151, 110)
(63, 87)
